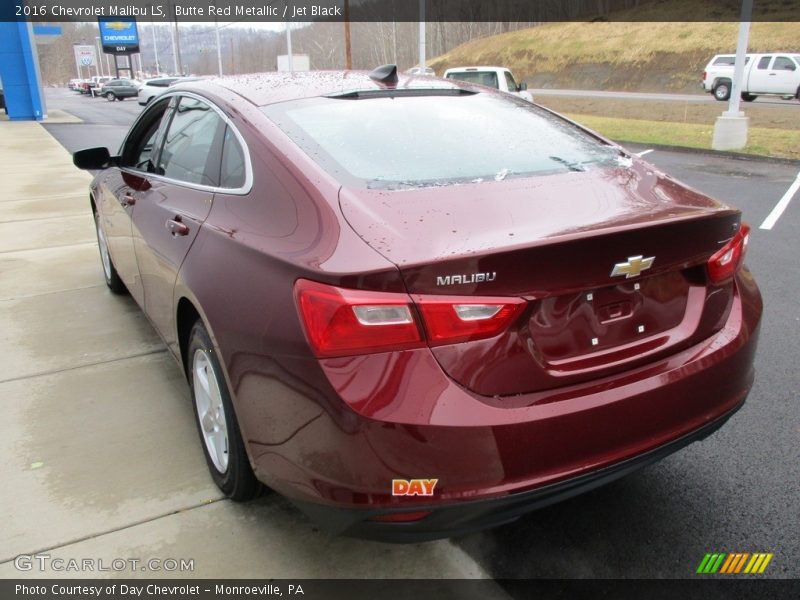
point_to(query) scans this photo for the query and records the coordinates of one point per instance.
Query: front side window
(142, 144)
(396, 141)
(512, 85)
(193, 144)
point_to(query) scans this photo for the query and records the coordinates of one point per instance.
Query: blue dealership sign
(119, 35)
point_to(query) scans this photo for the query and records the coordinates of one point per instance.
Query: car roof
(270, 88)
(476, 67)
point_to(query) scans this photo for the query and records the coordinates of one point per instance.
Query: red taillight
(344, 322)
(450, 319)
(724, 263)
(341, 322)
(401, 517)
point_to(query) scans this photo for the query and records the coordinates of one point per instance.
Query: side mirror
(92, 158)
(523, 86)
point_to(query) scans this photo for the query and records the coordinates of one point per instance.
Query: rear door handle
(177, 228)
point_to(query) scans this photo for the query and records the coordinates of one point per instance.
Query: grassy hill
(619, 55)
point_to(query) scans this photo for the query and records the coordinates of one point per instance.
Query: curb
(718, 153)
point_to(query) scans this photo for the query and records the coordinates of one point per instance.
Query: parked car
(495, 77)
(418, 307)
(418, 71)
(95, 84)
(119, 89)
(774, 74)
(74, 84)
(153, 87)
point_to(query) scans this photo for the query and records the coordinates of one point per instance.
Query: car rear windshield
(728, 61)
(413, 140)
(487, 78)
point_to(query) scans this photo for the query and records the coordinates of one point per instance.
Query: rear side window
(784, 63)
(487, 78)
(232, 173)
(398, 141)
(193, 143)
(764, 62)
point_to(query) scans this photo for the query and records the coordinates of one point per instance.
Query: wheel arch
(185, 317)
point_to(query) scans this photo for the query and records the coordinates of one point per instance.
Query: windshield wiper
(571, 165)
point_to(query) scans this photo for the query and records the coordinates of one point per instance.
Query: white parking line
(772, 217)
(643, 152)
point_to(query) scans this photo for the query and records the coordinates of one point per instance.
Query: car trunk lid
(556, 240)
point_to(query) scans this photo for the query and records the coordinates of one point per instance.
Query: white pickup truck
(775, 74)
(499, 78)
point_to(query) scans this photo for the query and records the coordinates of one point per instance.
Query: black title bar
(299, 11)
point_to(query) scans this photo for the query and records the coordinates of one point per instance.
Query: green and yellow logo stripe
(736, 562)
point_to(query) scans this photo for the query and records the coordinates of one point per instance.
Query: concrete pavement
(101, 456)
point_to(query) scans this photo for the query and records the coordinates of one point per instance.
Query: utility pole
(730, 129)
(422, 37)
(348, 51)
(394, 42)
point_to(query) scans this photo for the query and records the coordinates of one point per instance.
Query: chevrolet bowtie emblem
(632, 267)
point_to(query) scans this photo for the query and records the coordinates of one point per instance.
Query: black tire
(236, 480)
(110, 274)
(111, 96)
(748, 97)
(722, 91)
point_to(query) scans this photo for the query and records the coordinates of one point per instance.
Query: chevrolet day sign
(119, 35)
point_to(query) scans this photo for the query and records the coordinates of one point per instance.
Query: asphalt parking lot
(94, 398)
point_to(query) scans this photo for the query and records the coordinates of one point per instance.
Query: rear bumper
(333, 440)
(468, 516)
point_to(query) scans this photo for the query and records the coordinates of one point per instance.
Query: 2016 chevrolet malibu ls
(418, 307)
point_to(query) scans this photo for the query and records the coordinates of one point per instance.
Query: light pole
(155, 48)
(422, 37)
(730, 129)
(219, 49)
(99, 55)
(289, 46)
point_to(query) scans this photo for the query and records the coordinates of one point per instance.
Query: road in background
(737, 491)
(699, 97)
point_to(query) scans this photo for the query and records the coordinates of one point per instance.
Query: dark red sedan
(417, 307)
